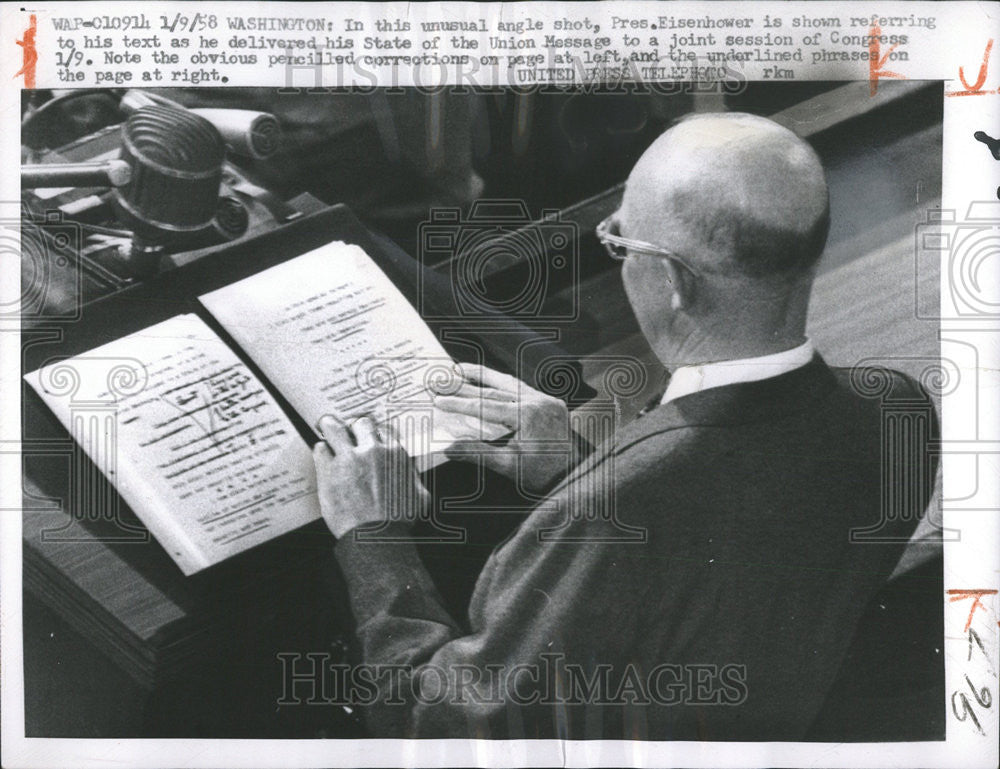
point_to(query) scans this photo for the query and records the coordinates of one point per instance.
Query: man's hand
(364, 476)
(542, 444)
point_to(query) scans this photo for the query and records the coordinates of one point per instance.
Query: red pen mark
(876, 62)
(30, 54)
(976, 89)
(976, 595)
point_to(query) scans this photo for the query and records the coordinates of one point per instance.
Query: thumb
(496, 458)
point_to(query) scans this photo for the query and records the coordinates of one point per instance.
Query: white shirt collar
(691, 379)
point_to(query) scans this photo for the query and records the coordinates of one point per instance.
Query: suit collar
(744, 402)
(688, 380)
(739, 403)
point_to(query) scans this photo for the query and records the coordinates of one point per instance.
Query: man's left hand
(364, 476)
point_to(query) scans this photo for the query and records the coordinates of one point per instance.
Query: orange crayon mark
(976, 89)
(30, 53)
(976, 595)
(877, 61)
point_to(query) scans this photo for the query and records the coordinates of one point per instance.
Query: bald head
(731, 190)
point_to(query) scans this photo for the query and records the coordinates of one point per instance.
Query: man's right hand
(542, 444)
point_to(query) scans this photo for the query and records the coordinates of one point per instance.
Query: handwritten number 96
(982, 697)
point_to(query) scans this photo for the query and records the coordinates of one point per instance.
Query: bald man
(721, 603)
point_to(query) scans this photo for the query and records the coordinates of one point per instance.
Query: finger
(499, 460)
(322, 455)
(490, 377)
(469, 390)
(399, 463)
(389, 437)
(365, 432)
(335, 433)
(464, 428)
(501, 412)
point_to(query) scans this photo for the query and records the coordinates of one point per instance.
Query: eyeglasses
(619, 248)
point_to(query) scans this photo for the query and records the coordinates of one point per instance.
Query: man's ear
(681, 285)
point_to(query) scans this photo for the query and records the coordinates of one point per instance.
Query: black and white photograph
(626, 412)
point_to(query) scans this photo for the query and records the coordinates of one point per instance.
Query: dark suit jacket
(726, 620)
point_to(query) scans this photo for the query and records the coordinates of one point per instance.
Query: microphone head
(176, 159)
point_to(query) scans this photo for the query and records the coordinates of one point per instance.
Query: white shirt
(692, 379)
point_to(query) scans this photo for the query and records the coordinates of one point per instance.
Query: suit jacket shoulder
(730, 520)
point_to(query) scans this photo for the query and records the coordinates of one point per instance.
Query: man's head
(742, 203)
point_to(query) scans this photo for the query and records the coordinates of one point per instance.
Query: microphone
(248, 133)
(176, 159)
